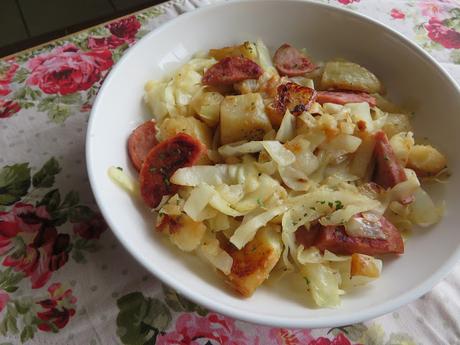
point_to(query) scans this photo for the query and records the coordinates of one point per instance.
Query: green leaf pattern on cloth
(64, 279)
(34, 245)
(14, 183)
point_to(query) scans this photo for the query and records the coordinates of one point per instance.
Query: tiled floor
(25, 23)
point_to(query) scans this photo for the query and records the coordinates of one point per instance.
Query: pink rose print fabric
(397, 14)
(65, 279)
(440, 33)
(67, 69)
(58, 308)
(123, 32)
(194, 330)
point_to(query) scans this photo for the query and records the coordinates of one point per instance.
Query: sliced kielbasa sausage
(341, 97)
(291, 62)
(387, 172)
(230, 70)
(336, 240)
(140, 142)
(181, 150)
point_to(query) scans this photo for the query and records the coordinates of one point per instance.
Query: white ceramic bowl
(412, 78)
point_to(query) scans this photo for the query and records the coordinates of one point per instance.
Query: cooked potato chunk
(396, 123)
(344, 75)
(246, 86)
(189, 125)
(183, 231)
(243, 118)
(425, 160)
(252, 264)
(402, 143)
(207, 106)
(365, 265)
(247, 50)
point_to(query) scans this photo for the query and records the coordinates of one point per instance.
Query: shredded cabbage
(197, 201)
(287, 128)
(210, 174)
(314, 167)
(248, 228)
(265, 60)
(361, 112)
(211, 251)
(173, 95)
(323, 282)
(407, 188)
(277, 151)
(124, 181)
(334, 207)
(423, 211)
(365, 227)
(266, 188)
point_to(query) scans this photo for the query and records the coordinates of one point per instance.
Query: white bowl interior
(411, 78)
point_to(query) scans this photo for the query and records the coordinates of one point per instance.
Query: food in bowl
(267, 165)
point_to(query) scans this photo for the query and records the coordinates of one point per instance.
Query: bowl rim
(368, 313)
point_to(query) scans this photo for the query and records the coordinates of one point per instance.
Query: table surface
(64, 278)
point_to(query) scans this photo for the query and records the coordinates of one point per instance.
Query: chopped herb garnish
(312, 208)
(166, 181)
(153, 169)
(338, 205)
(385, 157)
(260, 202)
(321, 202)
(330, 204)
(306, 280)
(120, 168)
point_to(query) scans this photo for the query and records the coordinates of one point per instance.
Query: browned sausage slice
(140, 142)
(291, 62)
(307, 237)
(336, 240)
(181, 150)
(341, 97)
(388, 172)
(230, 70)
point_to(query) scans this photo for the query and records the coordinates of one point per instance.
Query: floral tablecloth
(64, 278)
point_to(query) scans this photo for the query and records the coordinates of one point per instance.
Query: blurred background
(27, 23)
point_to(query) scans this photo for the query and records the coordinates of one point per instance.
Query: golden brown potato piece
(207, 106)
(364, 265)
(189, 125)
(425, 160)
(275, 114)
(402, 143)
(243, 117)
(290, 96)
(182, 230)
(396, 123)
(344, 75)
(295, 98)
(247, 50)
(252, 264)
